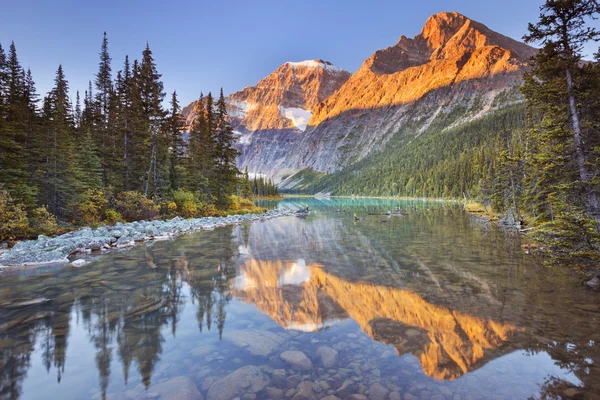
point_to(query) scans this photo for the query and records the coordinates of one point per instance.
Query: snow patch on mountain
(245, 139)
(315, 64)
(298, 116)
(239, 109)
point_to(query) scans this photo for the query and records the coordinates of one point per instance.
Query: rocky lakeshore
(57, 250)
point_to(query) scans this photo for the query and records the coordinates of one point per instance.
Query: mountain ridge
(296, 118)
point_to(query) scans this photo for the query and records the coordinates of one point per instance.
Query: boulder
(274, 393)
(378, 392)
(297, 360)
(257, 343)
(248, 379)
(347, 388)
(180, 388)
(278, 377)
(304, 391)
(329, 357)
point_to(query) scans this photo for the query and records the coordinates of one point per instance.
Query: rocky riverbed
(297, 366)
(61, 249)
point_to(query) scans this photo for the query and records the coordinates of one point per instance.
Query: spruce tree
(552, 90)
(102, 133)
(226, 172)
(152, 95)
(59, 178)
(16, 120)
(173, 132)
(200, 151)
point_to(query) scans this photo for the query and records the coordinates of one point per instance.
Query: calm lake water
(429, 305)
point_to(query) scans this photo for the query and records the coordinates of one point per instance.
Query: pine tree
(59, 178)
(87, 165)
(102, 133)
(200, 152)
(125, 89)
(173, 132)
(16, 120)
(226, 171)
(552, 90)
(246, 189)
(152, 95)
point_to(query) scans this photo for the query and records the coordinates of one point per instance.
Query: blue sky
(202, 45)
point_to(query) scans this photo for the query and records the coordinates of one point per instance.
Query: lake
(431, 305)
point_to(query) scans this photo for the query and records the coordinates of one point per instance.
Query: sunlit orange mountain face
(306, 297)
(313, 114)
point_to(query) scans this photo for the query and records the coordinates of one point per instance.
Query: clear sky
(201, 45)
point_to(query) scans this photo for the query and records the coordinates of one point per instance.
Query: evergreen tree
(14, 128)
(87, 165)
(200, 151)
(125, 89)
(59, 178)
(173, 131)
(246, 189)
(552, 90)
(226, 171)
(102, 133)
(152, 95)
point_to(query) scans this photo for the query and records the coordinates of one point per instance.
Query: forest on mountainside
(116, 154)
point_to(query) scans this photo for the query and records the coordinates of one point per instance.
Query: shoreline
(105, 239)
(403, 198)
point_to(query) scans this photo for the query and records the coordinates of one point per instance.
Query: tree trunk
(592, 193)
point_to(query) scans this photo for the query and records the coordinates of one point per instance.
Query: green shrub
(243, 206)
(187, 204)
(234, 203)
(133, 206)
(91, 208)
(168, 209)
(13, 219)
(112, 217)
(43, 222)
(210, 210)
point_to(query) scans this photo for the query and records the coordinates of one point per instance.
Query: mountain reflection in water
(448, 343)
(476, 315)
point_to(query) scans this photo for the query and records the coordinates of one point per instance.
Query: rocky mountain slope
(456, 70)
(276, 111)
(455, 63)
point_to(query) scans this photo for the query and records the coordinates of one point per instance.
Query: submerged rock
(297, 360)
(594, 283)
(378, 392)
(248, 379)
(257, 343)
(180, 388)
(329, 356)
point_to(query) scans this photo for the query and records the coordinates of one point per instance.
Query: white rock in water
(594, 283)
(78, 263)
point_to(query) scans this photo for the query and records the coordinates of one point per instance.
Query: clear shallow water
(430, 305)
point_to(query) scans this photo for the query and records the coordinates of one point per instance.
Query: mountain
(277, 109)
(314, 117)
(454, 63)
